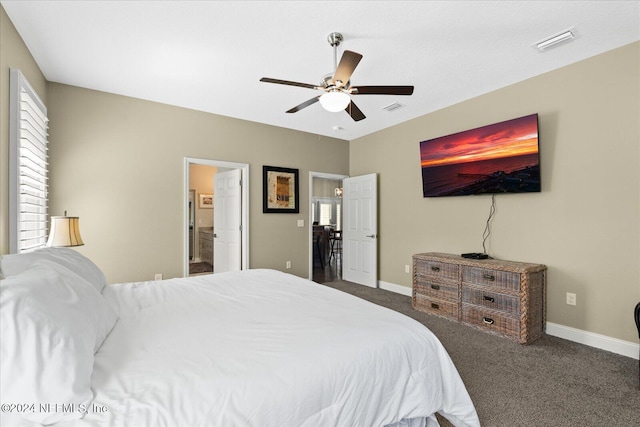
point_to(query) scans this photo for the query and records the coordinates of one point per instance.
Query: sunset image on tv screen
(498, 158)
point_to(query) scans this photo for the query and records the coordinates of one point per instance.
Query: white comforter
(264, 348)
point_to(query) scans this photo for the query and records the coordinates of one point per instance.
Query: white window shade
(325, 213)
(28, 167)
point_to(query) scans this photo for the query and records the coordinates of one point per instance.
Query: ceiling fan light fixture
(337, 86)
(335, 101)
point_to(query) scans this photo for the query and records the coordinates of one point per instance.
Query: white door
(227, 231)
(360, 230)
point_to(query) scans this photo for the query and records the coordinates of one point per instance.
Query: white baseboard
(398, 289)
(603, 342)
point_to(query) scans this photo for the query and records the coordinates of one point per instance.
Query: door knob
(373, 236)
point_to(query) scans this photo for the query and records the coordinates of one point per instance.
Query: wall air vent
(393, 107)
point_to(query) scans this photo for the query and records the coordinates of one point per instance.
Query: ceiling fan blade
(347, 65)
(354, 112)
(288, 83)
(305, 104)
(381, 90)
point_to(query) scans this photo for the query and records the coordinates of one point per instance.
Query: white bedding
(264, 348)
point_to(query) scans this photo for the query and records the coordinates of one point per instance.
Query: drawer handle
(434, 268)
(490, 277)
(490, 299)
(436, 287)
(434, 305)
(488, 320)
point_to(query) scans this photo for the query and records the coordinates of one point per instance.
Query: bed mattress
(265, 348)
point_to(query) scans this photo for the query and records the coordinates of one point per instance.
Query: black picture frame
(280, 190)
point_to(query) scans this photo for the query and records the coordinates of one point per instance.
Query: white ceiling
(210, 55)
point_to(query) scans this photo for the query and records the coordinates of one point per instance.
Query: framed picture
(206, 201)
(280, 190)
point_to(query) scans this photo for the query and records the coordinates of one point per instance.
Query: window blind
(325, 213)
(28, 167)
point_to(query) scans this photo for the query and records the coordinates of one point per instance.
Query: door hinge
(240, 227)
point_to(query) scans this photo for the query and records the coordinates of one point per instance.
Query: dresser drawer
(435, 306)
(425, 267)
(492, 320)
(493, 278)
(496, 301)
(438, 289)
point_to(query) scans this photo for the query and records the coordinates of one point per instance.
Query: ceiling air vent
(556, 39)
(393, 107)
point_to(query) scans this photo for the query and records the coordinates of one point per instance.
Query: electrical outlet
(571, 298)
(158, 276)
(288, 264)
(407, 269)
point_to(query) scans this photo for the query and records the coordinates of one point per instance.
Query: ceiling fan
(337, 86)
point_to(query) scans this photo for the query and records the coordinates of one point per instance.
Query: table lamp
(65, 231)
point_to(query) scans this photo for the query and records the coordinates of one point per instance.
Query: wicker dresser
(502, 297)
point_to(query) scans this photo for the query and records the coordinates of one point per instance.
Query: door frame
(313, 175)
(244, 239)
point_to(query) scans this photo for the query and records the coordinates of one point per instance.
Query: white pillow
(52, 321)
(13, 264)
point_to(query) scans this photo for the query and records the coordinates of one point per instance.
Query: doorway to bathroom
(216, 216)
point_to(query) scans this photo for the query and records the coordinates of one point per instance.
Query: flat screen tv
(498, 158)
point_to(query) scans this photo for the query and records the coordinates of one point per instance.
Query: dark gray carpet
(552, 382)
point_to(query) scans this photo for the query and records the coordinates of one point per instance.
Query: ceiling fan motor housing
(328, 83)
(335, 39)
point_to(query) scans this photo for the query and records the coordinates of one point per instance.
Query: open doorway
(325, 226)
(199, 225)
(201, 185)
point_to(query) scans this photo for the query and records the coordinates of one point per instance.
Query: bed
(251, 348)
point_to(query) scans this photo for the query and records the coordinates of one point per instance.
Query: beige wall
(324, 187)
(13, 54)
(118, 164)
(584, 225)
(201, 180)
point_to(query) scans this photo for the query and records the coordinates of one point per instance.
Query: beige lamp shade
(65, 231)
